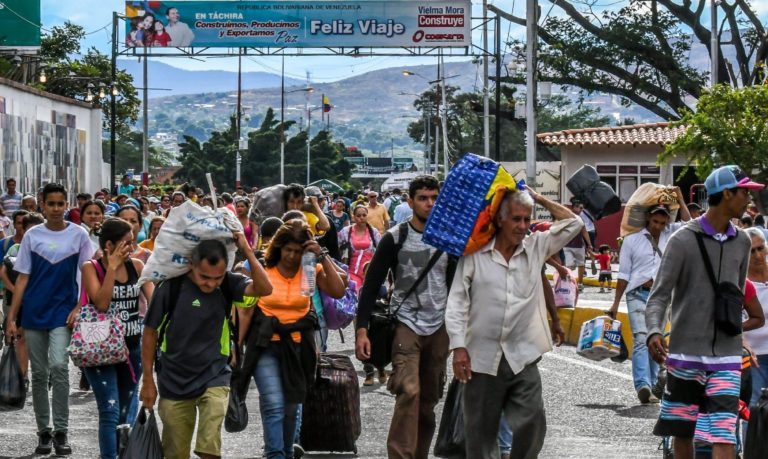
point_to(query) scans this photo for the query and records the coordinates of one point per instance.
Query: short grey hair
(519, 197)
(755, 233)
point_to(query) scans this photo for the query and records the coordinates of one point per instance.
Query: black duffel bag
(598, 197)
(756, 446)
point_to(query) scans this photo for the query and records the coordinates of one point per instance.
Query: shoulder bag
(729, 299)
(98, 337)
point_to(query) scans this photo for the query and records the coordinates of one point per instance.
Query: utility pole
(145, 137)
(309, 127)
(497, 152)
(282, 121)
(486, 111)
(714, 48)
(238, 158)
(530, 97)
(445, 119)
(113, 106)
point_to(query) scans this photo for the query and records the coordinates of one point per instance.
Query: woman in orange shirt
(283, 267)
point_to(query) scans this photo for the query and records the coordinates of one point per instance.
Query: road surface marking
(591, 366)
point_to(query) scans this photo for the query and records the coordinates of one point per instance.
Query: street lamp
(283, 92)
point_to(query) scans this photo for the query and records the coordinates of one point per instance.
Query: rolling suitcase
(330, 418)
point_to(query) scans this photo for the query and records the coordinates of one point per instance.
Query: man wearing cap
(703, 358)
(378, 217)
(639, 261)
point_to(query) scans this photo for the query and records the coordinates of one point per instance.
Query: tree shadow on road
(647, 411)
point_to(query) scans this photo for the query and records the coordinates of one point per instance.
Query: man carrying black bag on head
(420, 349)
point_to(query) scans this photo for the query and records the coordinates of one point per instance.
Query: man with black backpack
(699, 286)
(189, 321)
(422, 277)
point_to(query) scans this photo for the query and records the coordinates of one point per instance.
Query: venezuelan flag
(326, 104)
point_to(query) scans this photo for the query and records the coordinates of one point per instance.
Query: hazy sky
(97, 14)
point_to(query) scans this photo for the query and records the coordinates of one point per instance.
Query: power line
(39, 26)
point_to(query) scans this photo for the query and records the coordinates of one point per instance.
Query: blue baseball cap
(729, 177)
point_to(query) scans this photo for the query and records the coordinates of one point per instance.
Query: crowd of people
(493, 310)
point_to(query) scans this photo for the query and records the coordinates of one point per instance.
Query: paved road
(591, 411)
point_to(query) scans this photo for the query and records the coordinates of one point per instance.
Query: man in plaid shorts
(703, 358)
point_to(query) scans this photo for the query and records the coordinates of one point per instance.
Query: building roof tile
(637, 134)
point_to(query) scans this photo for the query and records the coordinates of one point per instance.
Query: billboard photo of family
(151, 24)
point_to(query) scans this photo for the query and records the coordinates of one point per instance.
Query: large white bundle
(186, 226)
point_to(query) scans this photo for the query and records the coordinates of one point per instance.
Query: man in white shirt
(402, 213)
(180, 33)
(496, 320)
(639, 261)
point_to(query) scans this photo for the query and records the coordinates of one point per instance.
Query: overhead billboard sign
(20, 24)
(303, 24)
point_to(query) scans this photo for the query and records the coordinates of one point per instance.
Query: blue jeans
(759, 378)
(278, 418)
(505, 436)
(117, 398)
(645, 370)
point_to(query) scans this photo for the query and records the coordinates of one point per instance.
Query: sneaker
(382, 376)
(44, 443)
(61, 445)
(298, 451)
(368, 380)
(658, 388)
(654, 399)
(644, 394)
(602, 290)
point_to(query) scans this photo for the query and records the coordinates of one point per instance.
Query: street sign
(301, 24)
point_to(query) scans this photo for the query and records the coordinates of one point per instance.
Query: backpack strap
(175, 289)
(435, 256)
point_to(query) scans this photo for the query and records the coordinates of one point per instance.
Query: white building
(49, 138)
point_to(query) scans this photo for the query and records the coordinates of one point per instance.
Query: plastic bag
(450, 435)
(755, 446)
(236, 419)
(623, 351)
(144, 441)
(12, 393)
(340, 312)
(645, 196)
(566, 291)
(186, 226)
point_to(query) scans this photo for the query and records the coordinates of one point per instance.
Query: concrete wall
(48, 138)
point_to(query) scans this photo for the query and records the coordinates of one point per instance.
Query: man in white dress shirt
(181, 35)
(498, 330)
(639, 261)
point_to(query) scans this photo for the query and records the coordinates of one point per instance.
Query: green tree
(216, 156)
(70, 76)
(728, 127)
(641, 52)
(128, 153)
(465, 127)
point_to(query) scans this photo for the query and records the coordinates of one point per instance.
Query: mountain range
(371, 110)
